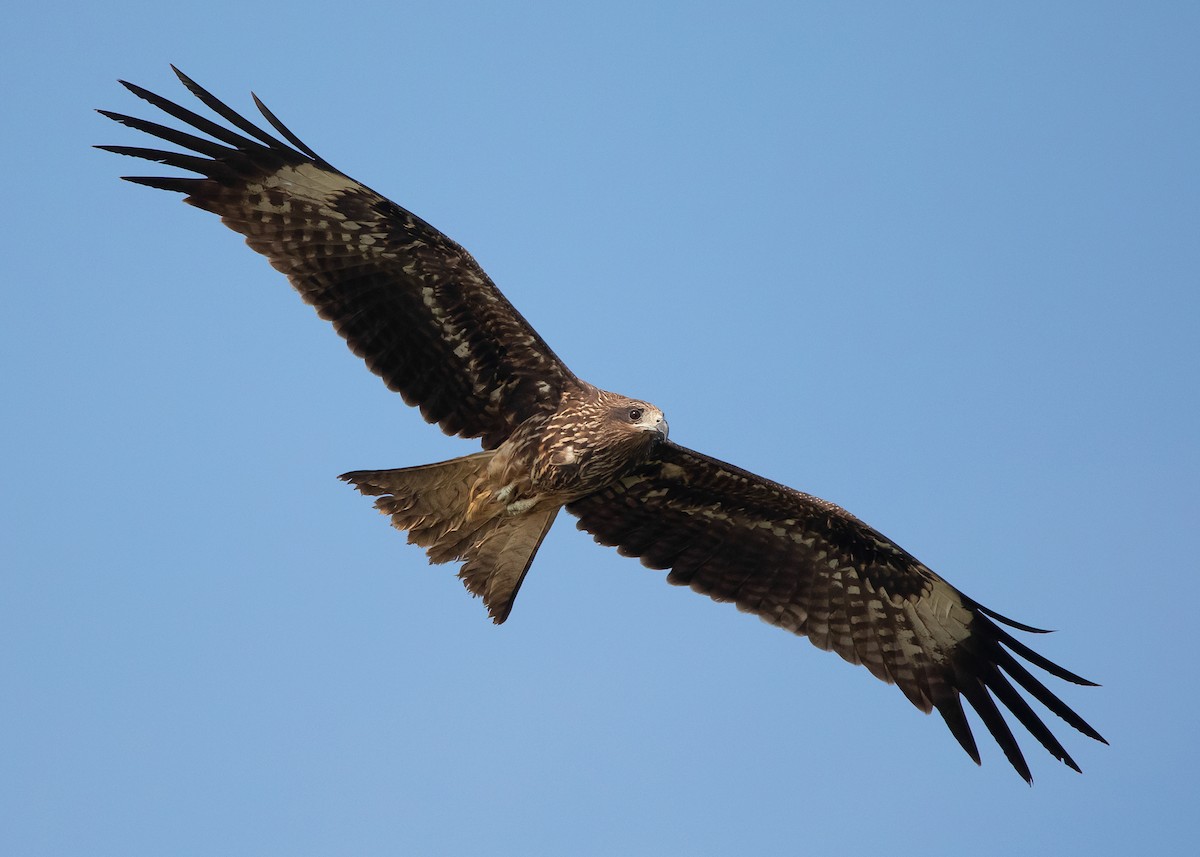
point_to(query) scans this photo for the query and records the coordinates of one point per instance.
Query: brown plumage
(491, 510)
(427, 319)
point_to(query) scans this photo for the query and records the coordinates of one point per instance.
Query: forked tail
(430, 503)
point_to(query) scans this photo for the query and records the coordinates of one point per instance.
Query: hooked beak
(660, 428)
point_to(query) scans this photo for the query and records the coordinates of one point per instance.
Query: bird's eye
(635, 414)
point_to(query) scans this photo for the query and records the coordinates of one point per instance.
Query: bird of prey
(426, 318)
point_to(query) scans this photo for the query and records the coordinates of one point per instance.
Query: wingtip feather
(176, 185)
(285, 131)
(952, 713)
(1012, 623)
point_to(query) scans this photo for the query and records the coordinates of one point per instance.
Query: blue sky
(937, 264)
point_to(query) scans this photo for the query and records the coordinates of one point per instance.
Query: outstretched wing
(812, 568)
(408, 300)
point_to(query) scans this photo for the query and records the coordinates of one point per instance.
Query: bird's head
(634, 415)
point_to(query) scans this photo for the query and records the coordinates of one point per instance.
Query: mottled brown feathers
(812, 568)
(408, 300)
(427, 319)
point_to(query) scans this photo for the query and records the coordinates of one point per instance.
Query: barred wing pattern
(408, 300)
(812, 568)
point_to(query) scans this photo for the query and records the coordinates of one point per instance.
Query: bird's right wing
(408, 300)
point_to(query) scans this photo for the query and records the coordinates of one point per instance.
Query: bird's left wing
(408, 300)
(812, 568)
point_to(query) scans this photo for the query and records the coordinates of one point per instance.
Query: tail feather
(430, 502)
(496, 564)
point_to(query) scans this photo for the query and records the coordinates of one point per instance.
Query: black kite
(427, 319)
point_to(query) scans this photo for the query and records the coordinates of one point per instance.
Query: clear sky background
(935, 262)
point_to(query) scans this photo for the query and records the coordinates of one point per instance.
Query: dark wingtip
(1039, 660)
(139, 91)
(1012, 623)
(951, 710)
(191, 85)
(176, 185)
(287, 134)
